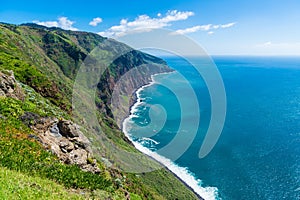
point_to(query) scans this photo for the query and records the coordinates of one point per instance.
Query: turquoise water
(258, 153)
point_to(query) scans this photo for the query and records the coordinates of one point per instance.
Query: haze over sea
(258, 153)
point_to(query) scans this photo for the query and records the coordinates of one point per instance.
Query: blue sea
(258, 153)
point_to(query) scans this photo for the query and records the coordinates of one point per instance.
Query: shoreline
(181, 173)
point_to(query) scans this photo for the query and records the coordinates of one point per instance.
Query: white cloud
(283, 45)
(145, 23)
(95, 21)
(266, 44)
(194, 29)
(63, 22)
(207, 27)
(228, 25)
(280, 48)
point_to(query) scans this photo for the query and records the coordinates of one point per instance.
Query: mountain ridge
(45, 62)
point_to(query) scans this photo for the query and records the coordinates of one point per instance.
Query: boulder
(68, 129)
(64, 139)
(79, 157)
(9, 86)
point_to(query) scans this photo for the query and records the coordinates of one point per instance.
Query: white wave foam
(150, 140)
(208, 193)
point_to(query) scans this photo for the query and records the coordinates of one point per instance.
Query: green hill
(44, 62)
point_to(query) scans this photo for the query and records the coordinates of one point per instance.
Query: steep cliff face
(128, 72)
(46, 61)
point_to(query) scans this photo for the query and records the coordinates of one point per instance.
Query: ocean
(258, 153)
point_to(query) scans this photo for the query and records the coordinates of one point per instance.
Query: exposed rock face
(64, 139)
(68, 129)
(9, 86)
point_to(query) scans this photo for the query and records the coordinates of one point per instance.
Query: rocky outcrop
(9, 86)
(64, 139)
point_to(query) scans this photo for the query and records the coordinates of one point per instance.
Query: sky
(231, 27)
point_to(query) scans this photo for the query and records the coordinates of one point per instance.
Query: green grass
(20, 52)
(15, 185)
(30, 75)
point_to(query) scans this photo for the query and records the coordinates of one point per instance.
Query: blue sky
(232, 27)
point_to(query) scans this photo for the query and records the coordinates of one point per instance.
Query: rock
(55, 130)
(2, 93)
(64, 139)
(72, 131)
(68, 129)
(80, 142)
(79, 157)
(29, 118)
(37, 123)
(9, 86)
(65, 145)
(44, 123)
(90, 168)
(127, 195)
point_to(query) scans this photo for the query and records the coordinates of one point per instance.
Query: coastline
(181, 173)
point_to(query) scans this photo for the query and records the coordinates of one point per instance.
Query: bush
(10, 107)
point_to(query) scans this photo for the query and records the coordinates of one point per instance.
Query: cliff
(38, 68)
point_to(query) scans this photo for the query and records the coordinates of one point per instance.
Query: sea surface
(258, 153)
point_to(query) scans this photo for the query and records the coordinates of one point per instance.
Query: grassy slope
(16, 185)
(46, 60)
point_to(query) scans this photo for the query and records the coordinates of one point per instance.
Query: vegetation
(45, 62)
(19, 152)
(16, 185)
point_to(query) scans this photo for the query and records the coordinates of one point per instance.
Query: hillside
(38, 67)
